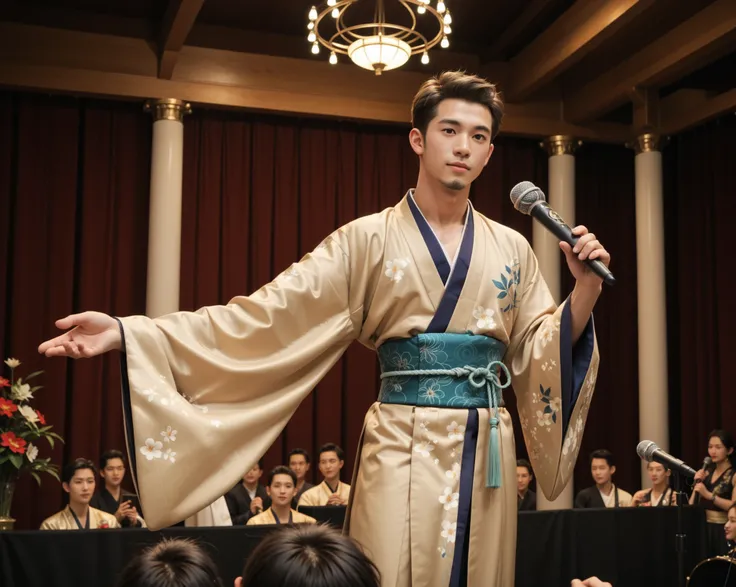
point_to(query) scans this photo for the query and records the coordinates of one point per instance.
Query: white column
(164, 222)
(561, 197)
(650, 281)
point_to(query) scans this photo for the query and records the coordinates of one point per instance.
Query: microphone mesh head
(524, 195)
(707, 462)
(645, 449)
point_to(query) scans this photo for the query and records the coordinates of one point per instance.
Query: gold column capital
(560, 145)
(648, 142)
(168, 109)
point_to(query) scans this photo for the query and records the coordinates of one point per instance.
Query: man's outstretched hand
(91, 334)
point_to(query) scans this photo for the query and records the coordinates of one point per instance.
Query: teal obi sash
(448, 370)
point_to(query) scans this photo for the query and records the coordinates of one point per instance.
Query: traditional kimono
(321, 493)
(306, 486)
(215, 514)
(269, 517)
(591, 497)
(433, 495)
(104, 500)
(67, 520)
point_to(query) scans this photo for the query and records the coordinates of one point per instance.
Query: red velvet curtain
(73, 234)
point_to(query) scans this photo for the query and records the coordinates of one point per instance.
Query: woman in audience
(661, 493)
(171, 563)
(308, 556)
(715, 489)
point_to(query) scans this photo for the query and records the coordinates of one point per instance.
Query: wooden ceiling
(598, 69)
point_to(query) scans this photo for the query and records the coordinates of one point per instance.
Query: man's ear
(613, 469)
(416, 140)
(66, 487)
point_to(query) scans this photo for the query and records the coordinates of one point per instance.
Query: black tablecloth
(628, 547)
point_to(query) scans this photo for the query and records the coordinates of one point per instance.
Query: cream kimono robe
(65, 520)
(208, 391)
(268, 517)
(320, 494)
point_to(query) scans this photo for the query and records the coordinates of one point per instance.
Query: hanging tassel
(493, 470)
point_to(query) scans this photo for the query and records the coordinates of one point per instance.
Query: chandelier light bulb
(312, 37)
(310, 26)
(448, 29)
(425, 58)
(421, 10)
(448, 18)
(445, 43)
(440, 6)
(331, 2)
(335, 13)
(313, 13)
(333, 58)
(315, 48)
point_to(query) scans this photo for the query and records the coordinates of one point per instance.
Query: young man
(331, 491)
(299, 463)
(527, 499)
(432, 285)
(281, 489)
(660, 494)
(112, 498)
(604, 493)
(78, 480)
(248, 498)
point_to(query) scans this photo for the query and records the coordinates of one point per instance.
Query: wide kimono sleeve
(552, 378)
(206, 393)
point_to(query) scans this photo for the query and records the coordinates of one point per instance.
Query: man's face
(282, 490)
(253, 475)
(601, 472)
(523, 478)
(113, 472)
(81, 487)
(657, 473)
(457, 143)
(300, 466)
(330, 465)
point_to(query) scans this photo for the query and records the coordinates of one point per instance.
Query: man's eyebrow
(454, 122)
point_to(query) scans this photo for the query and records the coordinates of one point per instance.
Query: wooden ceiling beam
(49, 60)
(582, 28)
(703, 38)
(516, 30)
(176, 26)
(687, 108)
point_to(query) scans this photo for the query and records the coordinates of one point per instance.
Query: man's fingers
(69, 321)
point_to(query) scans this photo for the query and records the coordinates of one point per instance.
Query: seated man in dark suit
(299, 463)
(112, 498)
(248, 498)
(526, 498)
(604, 494)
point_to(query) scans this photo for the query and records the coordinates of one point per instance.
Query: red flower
(15, 444)
(4, 382)
(103, 525)
(41, 418)
(7, 407)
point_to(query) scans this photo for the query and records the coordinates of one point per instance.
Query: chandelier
(378, 45)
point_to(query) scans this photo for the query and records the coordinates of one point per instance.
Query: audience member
(715, 489)
(331, 491)
(526, 498)
(299, 463)
(171, 563)
(111, 497)
(249, 497)
(660, 494)
(308, 556)
(604, 493)
(78, 480)
(281, 489)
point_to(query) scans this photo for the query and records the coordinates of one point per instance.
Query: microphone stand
(680, 536)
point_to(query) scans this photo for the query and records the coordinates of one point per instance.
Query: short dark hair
(177, 562)
(110, 454)
(332, 447)
(281, 470)
(458, 85)
(526, 464)
(604, 454)
(298, 451)
(309, 556)
(74, 466)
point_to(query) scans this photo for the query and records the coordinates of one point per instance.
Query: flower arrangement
(20, 427)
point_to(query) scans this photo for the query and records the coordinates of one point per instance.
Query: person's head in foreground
(175, 562)
(308, 556)
(730, 527)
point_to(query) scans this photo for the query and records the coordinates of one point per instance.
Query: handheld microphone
(649, 451)
(707, 462)
(529, 199)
